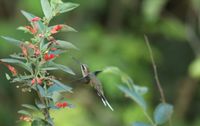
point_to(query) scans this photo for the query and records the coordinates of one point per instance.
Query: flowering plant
(37, 58)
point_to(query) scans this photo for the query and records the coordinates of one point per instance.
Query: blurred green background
(111, 33)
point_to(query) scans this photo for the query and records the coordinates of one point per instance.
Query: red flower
(56, 28)
(61, 104)
(12, 70)
(31, 29)
(48, 56)
(35, 19)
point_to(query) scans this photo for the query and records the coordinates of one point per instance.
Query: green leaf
(12, 40)
(67, 28)
(65, 45)
(41, 90)
(24, 112)
(61, 85)
(140, 124)
(63, 68)
(56, 97)
(133, 95)
(152, 9)
(39, 105)
(17, 57)
(162, 113)
(22, 78)
(38, 122)
(47, 10)
(22, 28)
(54, 88)
(49, 68)
(30, 107)
(18, 62)
(30, 16)
(65, 7)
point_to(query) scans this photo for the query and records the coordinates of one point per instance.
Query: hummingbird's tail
(105, 101)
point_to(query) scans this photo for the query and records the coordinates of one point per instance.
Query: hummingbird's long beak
(84, 69)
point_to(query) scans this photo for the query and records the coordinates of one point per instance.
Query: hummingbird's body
(90, 78)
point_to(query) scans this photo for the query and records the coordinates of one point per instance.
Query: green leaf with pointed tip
(57, 88)
(24, 29)
(18, 62)
(140, 124)
(12, 40)
(24, 112)
(49, 68)
(65, 45)
(61, 85)
(63, 68)
(133, 95)
(17, 57)
(67, 28)
(30, 16)
(30, 107)
(22, 78)
(47, 10)
(163, 113)
(65, 7)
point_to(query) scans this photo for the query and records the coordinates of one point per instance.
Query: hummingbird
(91, 78)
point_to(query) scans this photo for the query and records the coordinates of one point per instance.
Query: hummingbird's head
(85, 70)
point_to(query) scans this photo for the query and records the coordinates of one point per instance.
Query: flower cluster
(37, 59)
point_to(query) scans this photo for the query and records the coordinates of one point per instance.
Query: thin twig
(155, 70)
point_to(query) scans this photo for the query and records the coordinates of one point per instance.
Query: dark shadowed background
(111, 34)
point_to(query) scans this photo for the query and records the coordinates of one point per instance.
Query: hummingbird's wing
(83, 80)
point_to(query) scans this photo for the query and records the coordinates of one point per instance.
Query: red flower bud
(35, 19)
(48, 56)
(56, 28)
(33, 81)
(12, 70)
(24, 50)
(31, 29)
